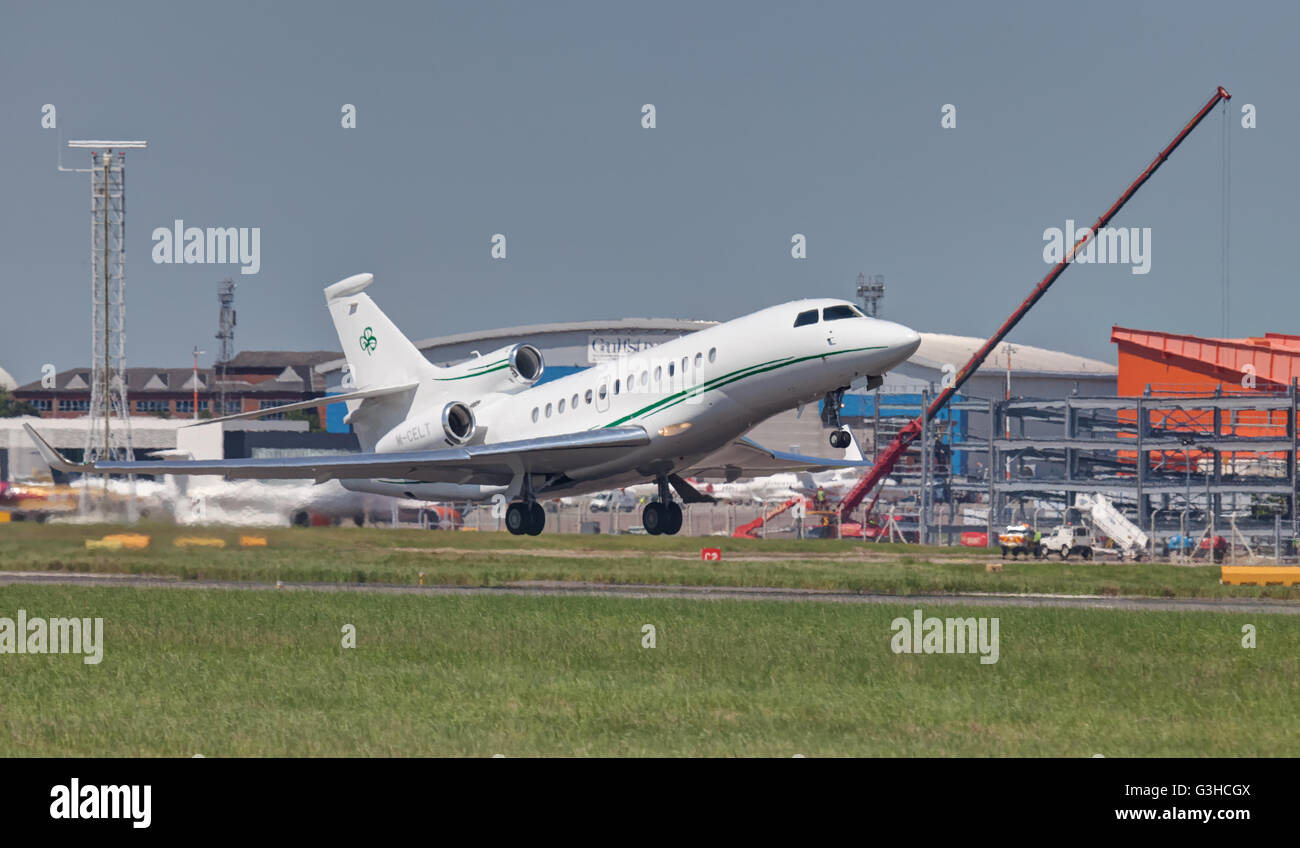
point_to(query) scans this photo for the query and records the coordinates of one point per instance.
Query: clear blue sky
(524, 119)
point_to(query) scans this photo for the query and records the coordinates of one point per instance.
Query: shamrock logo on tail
(368, 341)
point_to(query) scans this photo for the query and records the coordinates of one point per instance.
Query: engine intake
(458, 422)
(526, 364)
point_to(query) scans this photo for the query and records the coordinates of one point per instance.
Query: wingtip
(52, 457)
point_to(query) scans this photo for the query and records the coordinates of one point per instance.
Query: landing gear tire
(654, 518)
(841, 439)
(673, 520)
(536, 519)
(518, 517)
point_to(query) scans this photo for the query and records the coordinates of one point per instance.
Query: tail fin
(378, 355)
(377, 352)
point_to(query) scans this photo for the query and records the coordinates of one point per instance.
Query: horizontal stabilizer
(360, 394)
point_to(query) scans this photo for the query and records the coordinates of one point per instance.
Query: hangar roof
(668, 325)
(938, 349)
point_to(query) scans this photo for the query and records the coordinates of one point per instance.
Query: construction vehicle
(750, 530)
(890, 456)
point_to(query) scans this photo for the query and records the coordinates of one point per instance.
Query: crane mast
(889, 457)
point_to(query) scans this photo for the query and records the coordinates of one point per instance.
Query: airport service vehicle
(1018, 539)
(610, 501)
(1068, 539)
(1129, 539)
(486, 427)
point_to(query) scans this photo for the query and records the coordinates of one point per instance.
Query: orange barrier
(135, 541)
(198, 542)
(1260, 575)
(252, 541)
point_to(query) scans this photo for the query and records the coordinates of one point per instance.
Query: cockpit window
(809, 317)
(834, 313)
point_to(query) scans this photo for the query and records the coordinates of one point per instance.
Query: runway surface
(703, 593)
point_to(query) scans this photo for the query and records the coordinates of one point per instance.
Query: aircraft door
(602, 395)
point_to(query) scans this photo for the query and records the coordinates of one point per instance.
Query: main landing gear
(525, 517)
(840, 437)
(664, 516)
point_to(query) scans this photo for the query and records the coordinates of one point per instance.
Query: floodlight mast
(894, 451)
(108, 434)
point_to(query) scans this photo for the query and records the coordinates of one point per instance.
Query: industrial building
(250, 381)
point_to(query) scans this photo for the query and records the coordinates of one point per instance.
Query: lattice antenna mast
(225, 334)
(871, 292)
(108, 434)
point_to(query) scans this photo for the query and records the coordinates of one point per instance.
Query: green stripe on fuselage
(740, 374)
(478, 372)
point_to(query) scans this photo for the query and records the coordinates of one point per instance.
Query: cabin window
(671, 368)
(713, 354)
(588, 397)
(645, 378)
(548, 410)
(573, 404)
(616, 382)
(659, 373)
(699, 360)
(603, 391)
(809, 317)
(835, 313)
(561, 407)
(685, 362)
(534, 415)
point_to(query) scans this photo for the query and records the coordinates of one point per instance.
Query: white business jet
(485, 427)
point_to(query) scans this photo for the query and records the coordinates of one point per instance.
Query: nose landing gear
(840, 437)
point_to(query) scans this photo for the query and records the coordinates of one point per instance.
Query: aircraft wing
(747, 458)
(494, 464)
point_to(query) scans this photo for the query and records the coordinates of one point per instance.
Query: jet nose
(902, 341)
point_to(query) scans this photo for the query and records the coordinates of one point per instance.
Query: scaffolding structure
(1189, 465)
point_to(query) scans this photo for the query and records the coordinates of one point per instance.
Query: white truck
(1129, 539)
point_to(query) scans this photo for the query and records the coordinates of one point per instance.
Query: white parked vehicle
(610, 501)
(1068, 539)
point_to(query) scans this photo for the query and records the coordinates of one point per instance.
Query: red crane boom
(890, 455)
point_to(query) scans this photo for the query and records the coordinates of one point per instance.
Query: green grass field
(234, 673)
(486, 559)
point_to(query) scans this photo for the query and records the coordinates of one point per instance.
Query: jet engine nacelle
(446, 424)
(458, 423)
(508, 370)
